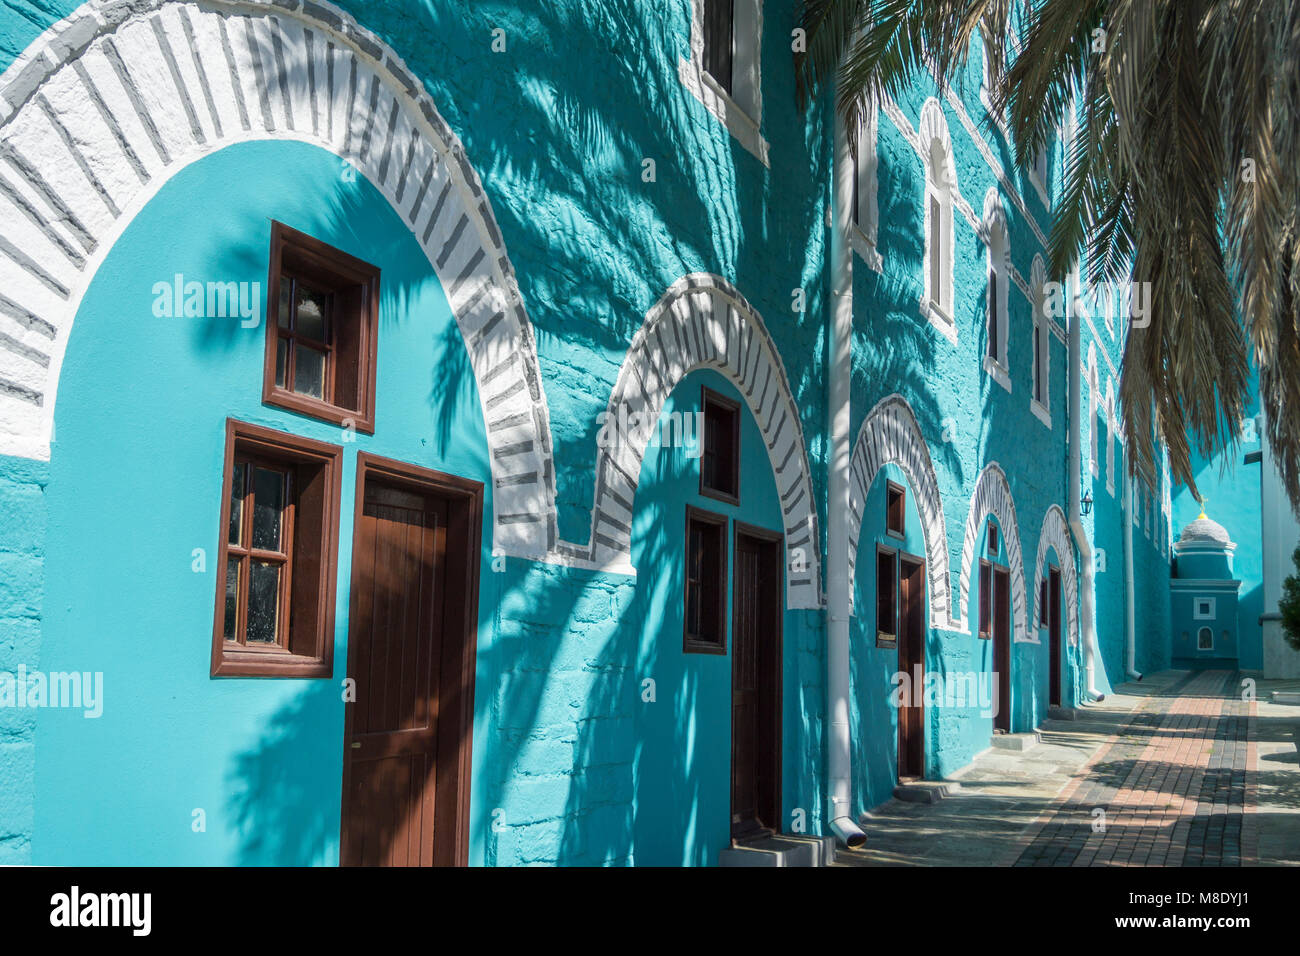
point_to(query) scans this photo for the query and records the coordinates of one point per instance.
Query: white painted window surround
(998, 249)
(1040, 394)
(742, 111)
(863, 235)
(940, 184)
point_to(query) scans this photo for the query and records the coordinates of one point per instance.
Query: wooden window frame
(994, 540)
(884, 639)
(709, 397)
(338, 270)
(892, 487)
(690, 643)
(314, 656)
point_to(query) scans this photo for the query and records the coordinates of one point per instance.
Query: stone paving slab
(1178, 770)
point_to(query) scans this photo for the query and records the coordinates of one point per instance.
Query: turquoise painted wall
(570, 765)
(135, 488)
(23, 515)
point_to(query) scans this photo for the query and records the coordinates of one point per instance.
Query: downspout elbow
(849, 832)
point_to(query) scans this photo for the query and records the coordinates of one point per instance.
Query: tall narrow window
(936, 250)
(720, 457)
(937, 214)
(1042, 603)
(886, 598)
(994, 319)
(1205, 639)
(719, 17)
(1039, 377)
(278, 555)
(705, 629)
(321, 331)
(993, 540)
(986, 599)
(895, 509)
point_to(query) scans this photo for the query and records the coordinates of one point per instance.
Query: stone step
(782, 849)
(1017, 742)
(1062, 713)
(1286, 696)
(925, 791)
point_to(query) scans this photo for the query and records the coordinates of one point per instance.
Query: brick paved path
(1170, 789)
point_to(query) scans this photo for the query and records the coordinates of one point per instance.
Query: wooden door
(911, 661)
(1002, 646)
(405, 767)
(1054, 633)
(756, 682)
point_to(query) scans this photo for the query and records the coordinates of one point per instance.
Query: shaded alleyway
(1177, 770)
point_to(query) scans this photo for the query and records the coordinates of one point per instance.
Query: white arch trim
(934, 126)
(890, 435)
(1055, 536)
(702, 321)
(115, 99)
(992, 496)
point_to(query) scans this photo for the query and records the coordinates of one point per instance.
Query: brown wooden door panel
(410, 658)
(911, 660)
(1002, 646)
(755, 682)
(1054, 635)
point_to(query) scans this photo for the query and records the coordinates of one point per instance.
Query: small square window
(278, 555)
(886, 598)
(720, 458)
(895, 510)
(1205, 608)
(321, 331)
(705, 629)
(993, 540)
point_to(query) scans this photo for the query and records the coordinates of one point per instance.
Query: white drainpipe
(1130, 597)
(1087, 609)
(839, 374)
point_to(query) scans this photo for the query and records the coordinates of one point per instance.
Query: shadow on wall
(593, 246)
(280, 820)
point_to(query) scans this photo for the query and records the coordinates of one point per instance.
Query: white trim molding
(992, 496)
(890, 435)
(941, 190)
(702, 321)
(114, 100)
(1055, 535)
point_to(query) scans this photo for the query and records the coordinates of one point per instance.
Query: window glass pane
(694, 569)
(281, 362)
(312, 310)
(268, 503)
(283, 313)
(309, 372)
(263, 602)
(236, 505)
(717, 41)
(232, 598)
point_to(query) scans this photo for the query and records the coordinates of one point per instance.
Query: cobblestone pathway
(1169, 789)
